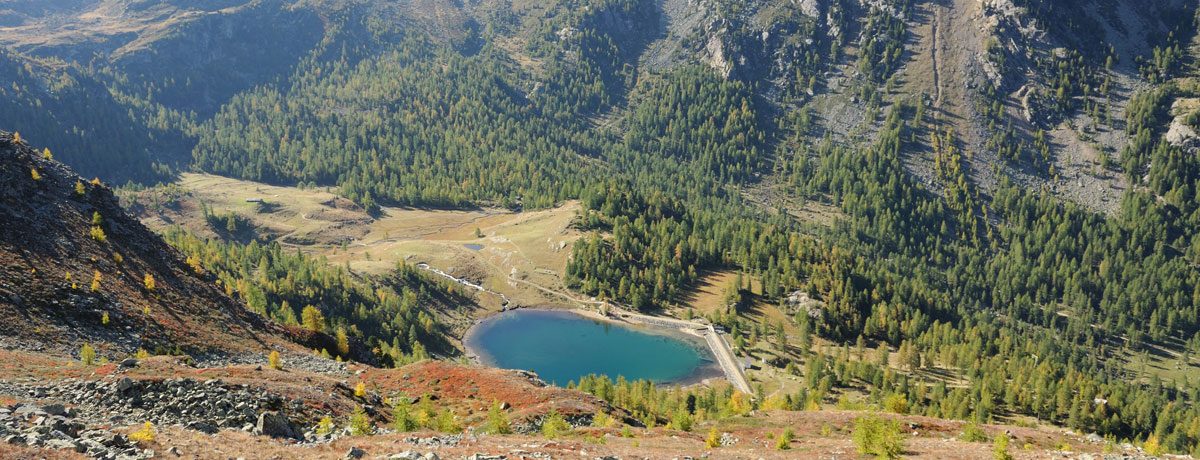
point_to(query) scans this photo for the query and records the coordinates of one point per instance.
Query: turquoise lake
(562, 346)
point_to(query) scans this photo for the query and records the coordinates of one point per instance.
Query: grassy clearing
(1167, 361)
(512, 253)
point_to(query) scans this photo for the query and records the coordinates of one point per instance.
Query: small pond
(561, 346)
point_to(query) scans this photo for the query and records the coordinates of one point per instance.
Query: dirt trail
(945, 66)
(935, 58)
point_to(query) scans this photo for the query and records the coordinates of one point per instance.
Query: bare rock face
(715, 56)
(1181, 135)
(810, 7)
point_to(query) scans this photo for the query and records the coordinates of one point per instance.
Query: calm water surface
(563, 346)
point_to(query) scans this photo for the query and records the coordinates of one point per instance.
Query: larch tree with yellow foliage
(739, 404)
(713, 440)
(193, 261)
(312, 318)
(98, 234)
(343, 342)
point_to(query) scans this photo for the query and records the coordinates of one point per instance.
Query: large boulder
(54, 409)
(124, 385)
(275, 425)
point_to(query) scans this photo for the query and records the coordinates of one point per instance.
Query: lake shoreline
(709, 371)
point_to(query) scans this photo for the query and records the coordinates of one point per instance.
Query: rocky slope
(55, 408)
(77, 268)
(1059, 71)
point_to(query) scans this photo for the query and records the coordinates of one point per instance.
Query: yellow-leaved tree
(312, 318)
(343, 342)
(87, 355)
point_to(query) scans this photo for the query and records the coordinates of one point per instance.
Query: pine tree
(87, 354)
(497, 421)
(360, 423)
(325, 426)
(97, 233)
(784, 441)
(402, 417)
(193, 261)
(145, 435)
(554, 425)
(1000, 448)
(713, 440)
(312, 318)
(343, 342)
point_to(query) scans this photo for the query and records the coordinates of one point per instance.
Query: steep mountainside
(93, 130)
(79, 269)
(1035, 90)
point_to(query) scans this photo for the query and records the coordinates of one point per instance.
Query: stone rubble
(728, 440)
(55, 427)
(308, 363)
(79, 407)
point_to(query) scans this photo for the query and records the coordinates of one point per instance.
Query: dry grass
(14, 452)
(469, 390)
(519, 251)
(824, 434)
(709, 297)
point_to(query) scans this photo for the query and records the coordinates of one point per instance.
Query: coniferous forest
(970, 263)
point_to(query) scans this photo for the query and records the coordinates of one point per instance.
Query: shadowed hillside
(77, 268)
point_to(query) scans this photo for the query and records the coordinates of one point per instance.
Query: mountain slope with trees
(79, 269)
(963, 144)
